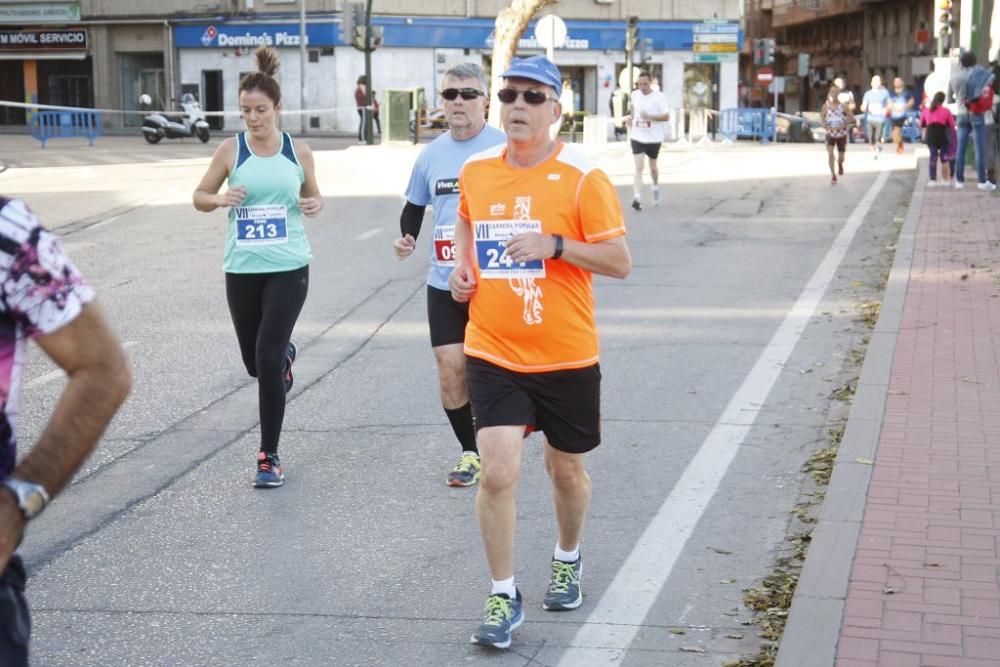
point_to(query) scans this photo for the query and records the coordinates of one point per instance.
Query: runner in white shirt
(649, 111)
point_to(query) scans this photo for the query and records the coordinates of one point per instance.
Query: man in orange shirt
(536, 219)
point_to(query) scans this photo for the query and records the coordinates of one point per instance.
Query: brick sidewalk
(923, 588)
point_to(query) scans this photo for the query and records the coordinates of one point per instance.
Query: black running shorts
(652, 150)
(839, 142)
(566, 405)
(447, 318)
(15, 621)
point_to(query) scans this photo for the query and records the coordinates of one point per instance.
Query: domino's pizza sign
(209, 35)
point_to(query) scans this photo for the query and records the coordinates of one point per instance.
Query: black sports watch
(559, 246)
(31, 498)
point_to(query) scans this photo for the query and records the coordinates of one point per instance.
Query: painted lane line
(60, 373)
(367, 235)
(609, 630)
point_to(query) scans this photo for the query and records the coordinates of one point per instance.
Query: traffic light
(359, 37)
(353, 16)
(768, 50)
(632, 34)
(758, 51)
(646, 50)
(943, 18)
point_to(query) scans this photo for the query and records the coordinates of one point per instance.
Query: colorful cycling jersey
(835, 120)
(265, 233)
(40, 291)
(535, 316)
(434, 181)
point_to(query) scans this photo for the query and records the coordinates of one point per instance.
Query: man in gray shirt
(970, 123)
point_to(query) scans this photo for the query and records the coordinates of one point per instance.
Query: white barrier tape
(53, 107)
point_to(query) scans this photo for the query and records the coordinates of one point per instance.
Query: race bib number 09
(444, 245)
(261, 225)
(491, 249)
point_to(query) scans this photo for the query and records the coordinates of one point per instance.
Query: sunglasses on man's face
(531, 96)
(451, 94)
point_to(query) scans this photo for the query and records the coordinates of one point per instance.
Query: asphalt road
(719, 353)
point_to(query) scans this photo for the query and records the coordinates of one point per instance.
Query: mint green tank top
(265, 232)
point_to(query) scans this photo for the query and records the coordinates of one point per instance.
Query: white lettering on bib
(491, 238)
(261, 225)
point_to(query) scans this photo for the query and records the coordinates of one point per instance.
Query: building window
(313, 56)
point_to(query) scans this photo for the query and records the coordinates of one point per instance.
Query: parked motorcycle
(156, 126)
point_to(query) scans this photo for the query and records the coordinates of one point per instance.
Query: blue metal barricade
(745, 123)
(47, 125)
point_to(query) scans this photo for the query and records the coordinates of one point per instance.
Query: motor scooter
(156, 126)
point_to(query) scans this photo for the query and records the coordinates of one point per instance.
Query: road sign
(765, 75)
(550, 32)
(715, 42)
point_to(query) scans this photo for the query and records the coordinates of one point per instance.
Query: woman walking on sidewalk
(272, 184)
(937, 120)
(837, 121)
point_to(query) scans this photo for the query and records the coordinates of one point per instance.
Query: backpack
(979, 90)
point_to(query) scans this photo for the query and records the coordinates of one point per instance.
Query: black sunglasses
(451, 94)
(531, 96)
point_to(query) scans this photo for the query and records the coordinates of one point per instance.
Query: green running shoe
(466, 473)
(500, 618)
(564, 588)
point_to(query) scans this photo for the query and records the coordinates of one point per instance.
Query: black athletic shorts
(566, 405)
(15, 622)
(899, 122)
(447, 318)
(839, 142)
(652, 150)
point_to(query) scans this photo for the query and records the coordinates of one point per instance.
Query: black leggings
(264, 307)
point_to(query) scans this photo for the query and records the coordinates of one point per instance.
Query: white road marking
(58, 373)
(609, 630)
(105, 222)
(367, 235)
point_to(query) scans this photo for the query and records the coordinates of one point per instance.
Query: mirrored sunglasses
(531, 96)
(452, 94)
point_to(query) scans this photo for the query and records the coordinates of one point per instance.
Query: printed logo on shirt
(554, 177)
(446, 186)
(498, 210)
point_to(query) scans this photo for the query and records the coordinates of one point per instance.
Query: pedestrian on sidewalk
(272, 184)
(434, 181)
(936, 121)
(648, 113)
(45, 298)
(375, 118)
(837, 121)
(361, 104)
(536, 220)
(966, 87)
(900, 102)
(874, 105)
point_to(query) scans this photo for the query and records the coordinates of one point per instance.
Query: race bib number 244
(491, 249)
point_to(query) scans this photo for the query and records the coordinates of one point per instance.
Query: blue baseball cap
(535, 68)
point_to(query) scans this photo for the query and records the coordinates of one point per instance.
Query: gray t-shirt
(958, 89)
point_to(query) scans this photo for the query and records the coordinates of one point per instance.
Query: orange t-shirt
(536, 316)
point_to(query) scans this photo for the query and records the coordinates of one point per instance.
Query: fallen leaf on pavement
(692, 649)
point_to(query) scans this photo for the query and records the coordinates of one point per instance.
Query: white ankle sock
(567, 556)
(506, 587)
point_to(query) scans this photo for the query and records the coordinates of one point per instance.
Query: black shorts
(447, 318)
(15, 621)
(652, 150)
(839, 142)
(898, 122)
(565, 405)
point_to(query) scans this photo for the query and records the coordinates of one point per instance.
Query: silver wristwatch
(31, 498)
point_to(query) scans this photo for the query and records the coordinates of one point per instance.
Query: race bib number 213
(260, 225)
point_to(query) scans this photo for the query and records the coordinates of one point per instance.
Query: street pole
(302, 63)
(369, 139)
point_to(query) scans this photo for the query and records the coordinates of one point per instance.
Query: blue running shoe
(500, 618)
(269, 472)
(290, 353)
(564, 587)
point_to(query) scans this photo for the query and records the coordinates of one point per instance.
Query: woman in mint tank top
(272, 184)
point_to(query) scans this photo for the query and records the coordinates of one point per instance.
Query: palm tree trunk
(509, 25)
